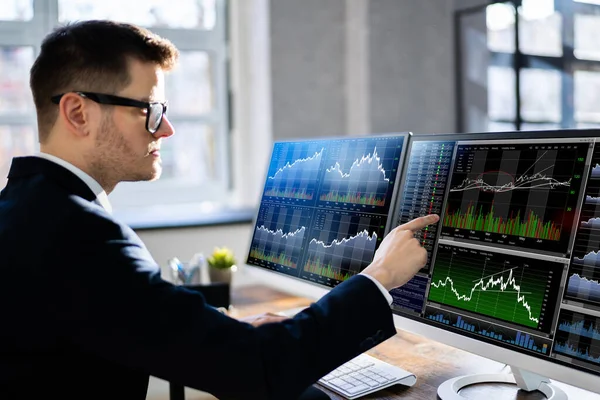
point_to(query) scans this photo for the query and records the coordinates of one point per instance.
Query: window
(541, 61)
(195, 159)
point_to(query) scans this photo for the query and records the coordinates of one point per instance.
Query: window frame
(566, 64)
(215, 42)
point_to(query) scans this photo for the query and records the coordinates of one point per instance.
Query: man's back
(37, 261)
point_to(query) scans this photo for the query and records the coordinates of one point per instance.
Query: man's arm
(119, 308)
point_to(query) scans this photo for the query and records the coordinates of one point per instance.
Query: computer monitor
(513, 272)
(325, 206)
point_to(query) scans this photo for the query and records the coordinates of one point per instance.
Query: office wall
(407, 72)
(307, 67)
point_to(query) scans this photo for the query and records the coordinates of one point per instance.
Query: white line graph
(359, 237)
(483, 286)
(314, 159)
(523, 182)
(358, 164)
(279, 233)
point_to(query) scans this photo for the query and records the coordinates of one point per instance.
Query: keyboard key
(338, 382)
(357, 389)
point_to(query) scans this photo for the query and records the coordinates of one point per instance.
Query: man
(84, 311)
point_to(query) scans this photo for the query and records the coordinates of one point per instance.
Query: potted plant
(221, 264)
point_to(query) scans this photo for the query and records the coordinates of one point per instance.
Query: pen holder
(189, 273)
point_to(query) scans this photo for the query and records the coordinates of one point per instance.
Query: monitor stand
(524, 379)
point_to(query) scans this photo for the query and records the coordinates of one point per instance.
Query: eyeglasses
(155, 111)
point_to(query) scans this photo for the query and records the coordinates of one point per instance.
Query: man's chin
(149, 177)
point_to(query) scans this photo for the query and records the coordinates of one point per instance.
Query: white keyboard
(364, 375)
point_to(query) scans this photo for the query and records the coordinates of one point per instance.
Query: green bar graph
(532, 226)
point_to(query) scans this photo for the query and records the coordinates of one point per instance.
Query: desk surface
(431, 362)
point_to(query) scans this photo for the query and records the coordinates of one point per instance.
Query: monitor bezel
(550, 368)
(315, 289)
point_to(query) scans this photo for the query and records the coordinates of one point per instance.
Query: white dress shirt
(91, 182)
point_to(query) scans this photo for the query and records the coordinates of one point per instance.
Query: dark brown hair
(91, 56)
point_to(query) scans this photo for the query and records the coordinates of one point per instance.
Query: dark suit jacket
(86, 315)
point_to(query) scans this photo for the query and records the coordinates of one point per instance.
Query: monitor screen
(515, 259)
(325, 206)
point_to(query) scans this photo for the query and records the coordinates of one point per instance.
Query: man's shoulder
(42, 203)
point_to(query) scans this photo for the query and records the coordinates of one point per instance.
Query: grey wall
(307, 67)
(409, 64)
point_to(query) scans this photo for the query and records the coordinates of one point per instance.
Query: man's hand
(400, 256)
(260, 319)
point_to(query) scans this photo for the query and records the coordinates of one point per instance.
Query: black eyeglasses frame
(110, 99)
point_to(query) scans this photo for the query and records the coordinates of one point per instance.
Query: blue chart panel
(578, 336)
(294, 171)
(361, 173)
(278, 237)
(341, 244)
(595, 172)
(584, 271)
(579, 324)
(583, 288)
(592, 200)
(591, 223)
(499, 333)
(410, 296)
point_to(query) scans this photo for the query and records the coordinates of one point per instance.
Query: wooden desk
(431, 362)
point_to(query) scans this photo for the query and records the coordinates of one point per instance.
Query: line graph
(592, 258)
(508, 286)
(584, 288)
(342, 244)
(279, 235)
(368, 162)
(294, 170)
(505, 287)
(595, 174)
(577, 336)
(592, 223)
(522, 182)
(515, 194)
(592, 200)
(361, 172)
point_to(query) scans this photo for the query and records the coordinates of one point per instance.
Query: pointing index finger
(420, 223)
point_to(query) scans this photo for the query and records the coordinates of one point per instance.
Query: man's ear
(75, 114)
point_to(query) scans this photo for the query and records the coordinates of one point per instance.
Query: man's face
(125, 150)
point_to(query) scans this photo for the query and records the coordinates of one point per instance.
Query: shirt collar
(91, 182)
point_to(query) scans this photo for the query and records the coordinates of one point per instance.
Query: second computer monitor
(514, 263)
(325, 206)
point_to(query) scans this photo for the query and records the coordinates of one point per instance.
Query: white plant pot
(220, 275)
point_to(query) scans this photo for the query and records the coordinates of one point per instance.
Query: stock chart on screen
(515, 194)
(515, 258)
(325, 205)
